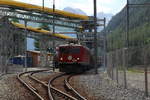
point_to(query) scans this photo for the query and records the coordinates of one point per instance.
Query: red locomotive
(73, 58)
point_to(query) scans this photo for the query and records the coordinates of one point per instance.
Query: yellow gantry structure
(30, 7)
(42, 31)
(39, 9)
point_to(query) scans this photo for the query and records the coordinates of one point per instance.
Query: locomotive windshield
(70, 50)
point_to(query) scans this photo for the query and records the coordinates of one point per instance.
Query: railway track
(57, 88)
(37, 87)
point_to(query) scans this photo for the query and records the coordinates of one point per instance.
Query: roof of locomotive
(73, 45)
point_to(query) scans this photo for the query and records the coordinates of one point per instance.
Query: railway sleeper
(32, 88)
(63, 96)
(59, 94)
(67, 88)
(54, 91)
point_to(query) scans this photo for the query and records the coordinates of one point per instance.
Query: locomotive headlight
(61, 58)
(69, 57)
(78, 58)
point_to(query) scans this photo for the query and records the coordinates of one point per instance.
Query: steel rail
(79, 97)
(32, 89)
(37, 80)
(52, 90)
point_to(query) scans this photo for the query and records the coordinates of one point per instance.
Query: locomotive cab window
(70, 50)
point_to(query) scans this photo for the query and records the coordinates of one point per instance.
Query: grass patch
(135, 70)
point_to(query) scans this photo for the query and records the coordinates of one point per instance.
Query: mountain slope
(74, 10)
(108, 16)
(139, 26)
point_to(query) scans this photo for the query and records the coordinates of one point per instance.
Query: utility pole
(53, 29)
(105, 45)
(43, 5)
(53, 19)
(125, 51)
(95, 35)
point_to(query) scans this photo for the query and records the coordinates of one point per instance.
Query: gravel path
(11, 89)
(101, 85)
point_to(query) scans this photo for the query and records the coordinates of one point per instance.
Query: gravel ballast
(101, 85)
(12, 89)
(97, 87)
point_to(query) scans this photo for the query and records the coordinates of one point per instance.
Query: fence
(128, 46)
(130, 67)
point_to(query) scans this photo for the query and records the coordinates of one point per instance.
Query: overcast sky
(107, 6)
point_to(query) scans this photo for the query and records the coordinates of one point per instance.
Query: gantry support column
(44, 45)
